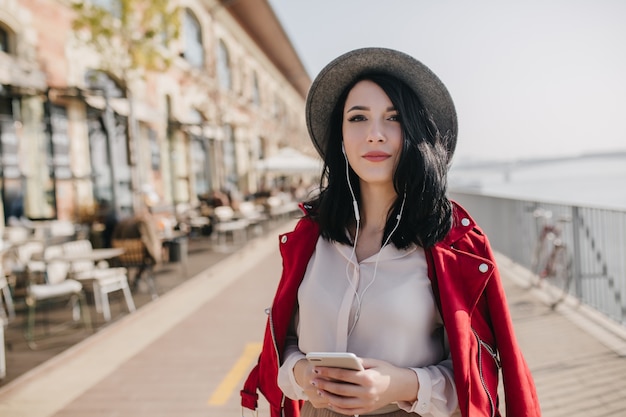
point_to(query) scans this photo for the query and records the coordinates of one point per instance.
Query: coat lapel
(462, 277)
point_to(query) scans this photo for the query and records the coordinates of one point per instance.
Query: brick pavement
(175, 356)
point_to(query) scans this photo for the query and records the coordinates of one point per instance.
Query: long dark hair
(421, 173)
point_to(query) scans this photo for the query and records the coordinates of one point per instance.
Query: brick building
(72, 138)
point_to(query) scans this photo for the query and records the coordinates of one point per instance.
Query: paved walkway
(186, 353)
(577, 357)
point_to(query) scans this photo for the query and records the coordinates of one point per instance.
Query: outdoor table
(94, 255)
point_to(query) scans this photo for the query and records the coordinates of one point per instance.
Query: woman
(383, 265)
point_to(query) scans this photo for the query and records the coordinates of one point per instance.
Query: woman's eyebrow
(357, 107)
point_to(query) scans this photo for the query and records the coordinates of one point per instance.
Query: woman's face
(372, 135)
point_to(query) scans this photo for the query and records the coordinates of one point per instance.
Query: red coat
(474, 311)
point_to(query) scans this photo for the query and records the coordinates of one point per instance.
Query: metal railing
(595, 237)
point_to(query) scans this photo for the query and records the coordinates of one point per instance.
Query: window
(5, 40)
(9, 151)
(60, 142)
(155, 151)
(199, 165)
(11, 182)
(110, 159)
(230, 157)
(194, 51)
(256, 97)
(223, 66)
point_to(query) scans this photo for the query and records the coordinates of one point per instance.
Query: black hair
(421, 172)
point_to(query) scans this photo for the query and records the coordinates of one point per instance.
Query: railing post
(576, 255)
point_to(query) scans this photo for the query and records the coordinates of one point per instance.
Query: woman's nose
(376, 134)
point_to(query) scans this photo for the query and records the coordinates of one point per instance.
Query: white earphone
(359, 298)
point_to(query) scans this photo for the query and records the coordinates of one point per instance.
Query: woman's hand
(358, 392)
(304, 374)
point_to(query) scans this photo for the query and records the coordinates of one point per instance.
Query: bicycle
(552, 261)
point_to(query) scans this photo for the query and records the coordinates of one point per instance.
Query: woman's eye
(356, 118)
(394, 117)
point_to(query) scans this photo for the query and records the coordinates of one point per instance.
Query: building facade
(79, 134)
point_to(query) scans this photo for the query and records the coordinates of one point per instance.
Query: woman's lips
(376, 156)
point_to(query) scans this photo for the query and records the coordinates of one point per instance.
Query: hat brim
(342, 71)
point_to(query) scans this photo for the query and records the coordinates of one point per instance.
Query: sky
(533, 78)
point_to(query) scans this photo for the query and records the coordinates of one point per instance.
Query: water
(596, 181)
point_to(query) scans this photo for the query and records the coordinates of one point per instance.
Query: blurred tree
(134, 35)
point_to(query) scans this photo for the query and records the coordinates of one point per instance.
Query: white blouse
(382, 307)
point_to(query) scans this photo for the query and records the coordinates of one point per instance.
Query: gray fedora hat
(342, 71)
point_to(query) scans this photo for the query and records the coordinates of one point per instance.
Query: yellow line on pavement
(229, 383)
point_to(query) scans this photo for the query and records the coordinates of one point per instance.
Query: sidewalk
(186, 353)
(577, 357)
(21, 358)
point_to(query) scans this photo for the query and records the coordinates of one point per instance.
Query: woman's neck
(375, 204)
(374, 207)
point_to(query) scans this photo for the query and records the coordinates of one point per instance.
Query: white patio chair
(20, 264)
(7, 309)
(228, 224)
(16, 234)
(254, 215)
(281, 207)
(56, 287)
(24, 256)
(62, 228)
(104, 279)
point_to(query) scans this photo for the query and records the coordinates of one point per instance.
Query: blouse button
(465, 222)
(483, 268)
(283, 239)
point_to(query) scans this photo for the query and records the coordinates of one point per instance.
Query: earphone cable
(358, 297)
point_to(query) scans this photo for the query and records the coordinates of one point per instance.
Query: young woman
(383, 265)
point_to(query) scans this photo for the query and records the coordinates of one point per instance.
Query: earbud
(355, 206)
(399, 216)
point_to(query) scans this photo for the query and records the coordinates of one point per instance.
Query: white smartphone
(344, 360)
